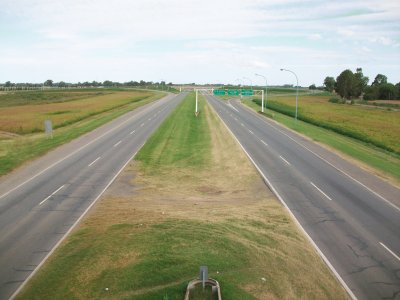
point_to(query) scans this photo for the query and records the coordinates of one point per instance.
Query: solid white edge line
(326, 161)
(79, 149)
(116, 144)
(324, 258)
(390, 251)
(71, 228)
(55, 192)
(319, 190)
(281, 157)
(93, 162)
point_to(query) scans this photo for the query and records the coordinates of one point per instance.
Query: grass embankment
(72, 115)
(385, 163)
(191, 198)
(377, 127)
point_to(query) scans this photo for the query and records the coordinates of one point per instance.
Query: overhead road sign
(247, 92)
(233, 92)
(219, 92)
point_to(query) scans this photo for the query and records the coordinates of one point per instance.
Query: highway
(41, 202)
(351, 216)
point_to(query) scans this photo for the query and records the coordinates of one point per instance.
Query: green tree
(379, 79)
(329, 84)
(344, 84)
(312, 87)
(8, 84)
(48, 82)
(387, 91)
(107, 83)
(360, 82)
(62, 84)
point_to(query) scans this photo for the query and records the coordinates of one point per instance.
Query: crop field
(378, 127)
(64, 109)
(187, 200)
(73, 113)
(13, 98)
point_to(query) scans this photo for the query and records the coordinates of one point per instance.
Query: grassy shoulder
(386, 164)
(17, 149)
(375, 126)
(190, 198)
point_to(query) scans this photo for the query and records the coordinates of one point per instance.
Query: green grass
(132, 251)
(15, 152)
(379, 159)
(377, 127)
(183, 140)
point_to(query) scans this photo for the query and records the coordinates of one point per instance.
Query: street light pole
(297, 89)
(266, 93)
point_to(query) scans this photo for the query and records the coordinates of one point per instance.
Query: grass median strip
(190, 198)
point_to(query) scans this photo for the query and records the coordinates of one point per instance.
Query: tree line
(106, 83)
(349, 85)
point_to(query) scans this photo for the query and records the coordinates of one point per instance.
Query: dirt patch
(385, 101)
(227, 188)
(5, 134)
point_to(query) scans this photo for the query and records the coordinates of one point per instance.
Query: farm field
(175, 208)
(378, 127)
(73, 113)
(29, 118)
(383, 163)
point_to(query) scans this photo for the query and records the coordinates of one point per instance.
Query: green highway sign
(219, 92)
(233, 92)
(247, 92)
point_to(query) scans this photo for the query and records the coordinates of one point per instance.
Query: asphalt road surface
(41, 202)
(353, 217)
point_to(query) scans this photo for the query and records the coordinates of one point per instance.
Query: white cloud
(131, 39)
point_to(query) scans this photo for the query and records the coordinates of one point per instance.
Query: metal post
(297, 89)
(262, 100)
(266, 91)
(197, 96)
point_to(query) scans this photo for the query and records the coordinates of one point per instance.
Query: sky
(201, 41)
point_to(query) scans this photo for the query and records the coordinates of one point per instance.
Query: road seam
(321, 254)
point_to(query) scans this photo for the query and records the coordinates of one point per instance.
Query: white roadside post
(262, 100)
(197, 106)
(266, 92)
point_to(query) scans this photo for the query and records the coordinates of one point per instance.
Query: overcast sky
(200, 41)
